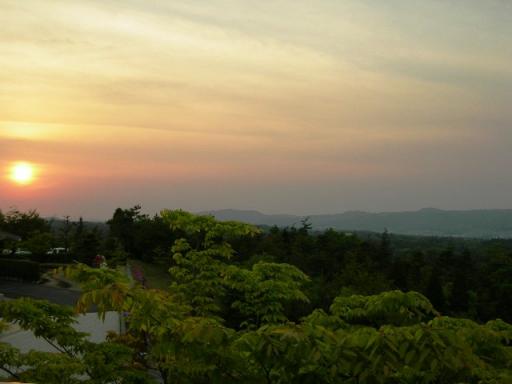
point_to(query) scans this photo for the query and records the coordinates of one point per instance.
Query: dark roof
(62, 296)
(8, 236)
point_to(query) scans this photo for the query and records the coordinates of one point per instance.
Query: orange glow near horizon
(22, 173)
(340, 105)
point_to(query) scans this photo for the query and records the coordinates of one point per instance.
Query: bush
(19, 269)
(61, 257)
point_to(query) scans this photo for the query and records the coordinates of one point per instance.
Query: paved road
(15, 289)
(89, 322)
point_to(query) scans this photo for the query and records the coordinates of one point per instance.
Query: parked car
(57, 251)
(22, 252)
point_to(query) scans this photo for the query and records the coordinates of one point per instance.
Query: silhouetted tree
(434, 291)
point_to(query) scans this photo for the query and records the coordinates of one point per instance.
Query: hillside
(428, 221)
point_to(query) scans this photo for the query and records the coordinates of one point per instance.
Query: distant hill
(254, 217)
(428, 221)
(58, 224)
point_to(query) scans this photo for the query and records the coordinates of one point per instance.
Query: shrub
(19, 269)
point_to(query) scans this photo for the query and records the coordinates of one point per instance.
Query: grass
(157, 275)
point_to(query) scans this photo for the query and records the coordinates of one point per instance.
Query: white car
(22, 252)
(57, 251)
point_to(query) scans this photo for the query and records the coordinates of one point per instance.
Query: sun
(22, 173)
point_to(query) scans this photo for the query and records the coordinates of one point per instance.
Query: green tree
(197, 273)
(265, 290)
(74, 356)
(24, 224)
(385, 252)
(389, 337)
(435, 291)
(122, 226)
(39, 243)
(86, 244)
(141, 236)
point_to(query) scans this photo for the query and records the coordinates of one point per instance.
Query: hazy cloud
(280, 106)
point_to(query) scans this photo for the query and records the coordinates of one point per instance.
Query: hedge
(20, 269)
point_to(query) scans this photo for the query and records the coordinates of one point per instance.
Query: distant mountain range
(494, 223)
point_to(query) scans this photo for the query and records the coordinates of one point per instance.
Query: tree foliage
(265, 290)
(23, 224)
(189, 333)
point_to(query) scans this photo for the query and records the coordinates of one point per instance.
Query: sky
(280, 106)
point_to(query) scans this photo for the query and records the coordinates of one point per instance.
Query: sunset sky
(280, 106)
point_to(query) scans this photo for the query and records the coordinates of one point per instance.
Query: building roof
(8, 236)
